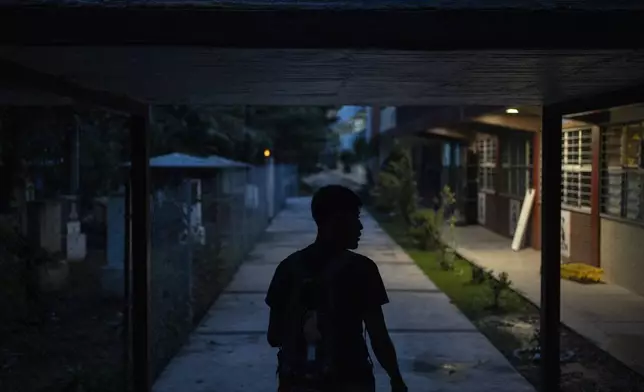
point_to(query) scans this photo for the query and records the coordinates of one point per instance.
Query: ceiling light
(512, 111)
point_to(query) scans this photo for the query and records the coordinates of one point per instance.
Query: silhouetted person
(320, 297)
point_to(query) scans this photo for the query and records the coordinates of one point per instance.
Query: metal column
(551, 248)
(140, 251)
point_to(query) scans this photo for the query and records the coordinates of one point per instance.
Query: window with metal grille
(576, 168)
(487, 163)
(516, 164)
(622, 184)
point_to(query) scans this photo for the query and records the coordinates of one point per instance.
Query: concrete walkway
(610, 316)
(439, 349)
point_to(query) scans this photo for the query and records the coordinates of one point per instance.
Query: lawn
(473, 300)
(513, 325)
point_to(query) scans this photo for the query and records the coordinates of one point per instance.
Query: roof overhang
(127, 57)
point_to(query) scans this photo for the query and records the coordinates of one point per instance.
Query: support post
(536, 184)
(595, 197)
(551, 249)
(140, 250)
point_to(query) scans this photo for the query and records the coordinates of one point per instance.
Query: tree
(35, 141)
(396, 188)
(298, 134)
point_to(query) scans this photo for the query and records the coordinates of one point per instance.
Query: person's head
(336, 211)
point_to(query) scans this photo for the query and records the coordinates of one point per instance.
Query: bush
(395, 188)
(385, 193)
(498, 286)
(479, 275)
(426, 229)
(20, 294)
(348, 159)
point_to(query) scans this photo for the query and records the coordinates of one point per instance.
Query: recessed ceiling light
(512, 111)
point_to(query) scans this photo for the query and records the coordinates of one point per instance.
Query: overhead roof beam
(13, 75)
(437, 29)
(523, 123)
(590, 104)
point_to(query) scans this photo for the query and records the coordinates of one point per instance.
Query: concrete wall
(621, 254)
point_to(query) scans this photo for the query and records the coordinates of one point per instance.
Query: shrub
(395, 188)
(448, 255)
(447, 259)
(425, 229)
(385, 193)
(479, 275)
(498, 286)
(348, 159)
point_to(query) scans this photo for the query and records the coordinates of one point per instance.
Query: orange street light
(267, 153)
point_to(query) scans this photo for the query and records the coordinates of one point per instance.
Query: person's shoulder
(361, 260)
(290, 259)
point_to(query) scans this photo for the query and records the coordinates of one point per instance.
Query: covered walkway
(438, 348)
(609, 315)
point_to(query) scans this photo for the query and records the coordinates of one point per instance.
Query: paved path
(610, 316)
(228, 351)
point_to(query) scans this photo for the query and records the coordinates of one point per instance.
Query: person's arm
(274, 328)
(381, 343)
(275, 298)
(383, 348)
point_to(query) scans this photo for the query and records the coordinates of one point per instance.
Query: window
(487, 163)
(576, 168)
(516, 158)
(623, 171)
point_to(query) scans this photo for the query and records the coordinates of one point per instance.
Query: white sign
(524, 217)
(515, 211)
(565, 233)
(481, 208)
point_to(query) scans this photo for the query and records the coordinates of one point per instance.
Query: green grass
(474, 300)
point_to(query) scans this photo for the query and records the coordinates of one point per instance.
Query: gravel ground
(589, 370)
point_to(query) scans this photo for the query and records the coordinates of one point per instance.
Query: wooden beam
(140, 250)
(518, 122)
(438, 29)
(14, 75)
(595, 196)
(590, 104)
(449, 134)
(550, 250)
(536, 209)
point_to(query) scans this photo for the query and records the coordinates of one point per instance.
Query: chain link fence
(203, 224)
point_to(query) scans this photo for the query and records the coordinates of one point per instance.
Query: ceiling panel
(349, 4)
(163, 75)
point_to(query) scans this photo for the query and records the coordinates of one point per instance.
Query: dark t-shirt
(358, 287)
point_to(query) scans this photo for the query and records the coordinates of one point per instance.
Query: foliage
(363, 149)
(498, 286)
(473, 300)
(20, 294)
(479, 275)
(348, 159)
(36, 143)
(298, 134)
(426, 229)
(447, 202)
(395, 188)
